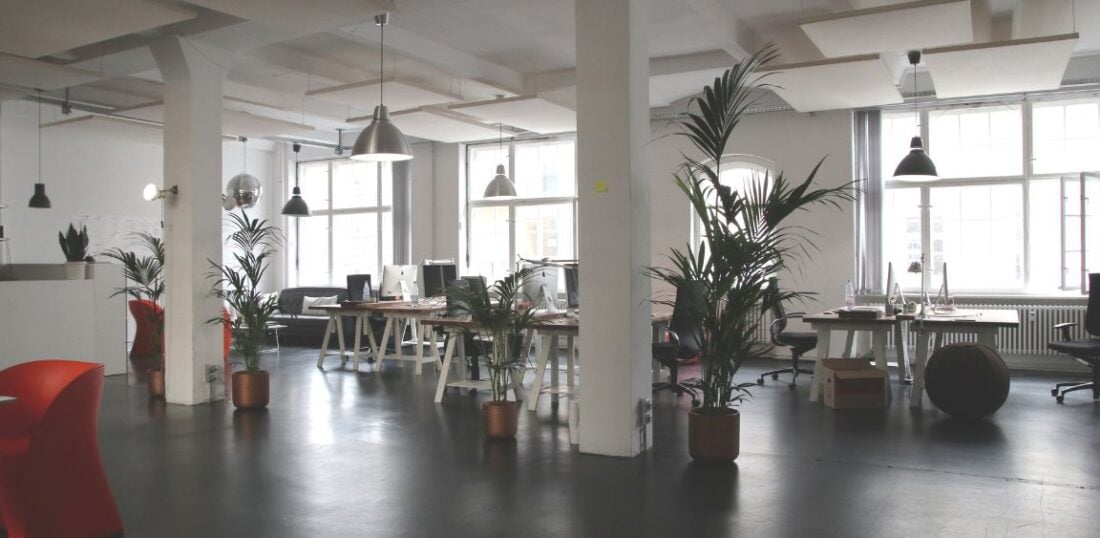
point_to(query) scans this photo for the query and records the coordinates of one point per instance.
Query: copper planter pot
(714, 435)
(250, 389)
(500, 419)
(155, 380)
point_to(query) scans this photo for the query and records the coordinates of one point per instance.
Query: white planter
(76, 270)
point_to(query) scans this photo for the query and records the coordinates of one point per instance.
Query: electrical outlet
(645, 411)
(211, 373)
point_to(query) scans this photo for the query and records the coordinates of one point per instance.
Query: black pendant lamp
(381, 141)
(296, 206)
(917, 166)
(39, 200)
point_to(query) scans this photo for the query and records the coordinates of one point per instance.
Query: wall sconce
(152, 192)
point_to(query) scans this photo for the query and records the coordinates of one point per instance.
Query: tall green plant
(145, 281)
(746, 237)
(493, 311)
(253, 243)
(74, 244)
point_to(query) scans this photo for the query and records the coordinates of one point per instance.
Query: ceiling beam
(435, 54)
(729, 33)
(665, 65)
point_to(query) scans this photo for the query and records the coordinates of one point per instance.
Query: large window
(739, 172)
(1001, 216)
(351, 230)
(541, 222)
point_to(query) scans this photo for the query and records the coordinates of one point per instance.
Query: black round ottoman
(966, 380)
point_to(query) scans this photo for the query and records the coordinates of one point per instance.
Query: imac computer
(397, 281)
(542, 287)
(436, 278)
(572, 286)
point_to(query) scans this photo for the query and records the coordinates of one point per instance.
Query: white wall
(96, 170)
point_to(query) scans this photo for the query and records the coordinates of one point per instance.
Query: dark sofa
(308, 329)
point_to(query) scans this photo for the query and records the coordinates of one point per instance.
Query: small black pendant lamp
(39, 200)
(296, 206)
(917, 166)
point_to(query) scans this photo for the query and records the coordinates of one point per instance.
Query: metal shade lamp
(381, 141)
(917, 166)
(296, 206)
(500, 186)
(39, 200)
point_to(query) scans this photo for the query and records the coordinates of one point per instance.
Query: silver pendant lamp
(39, 200)
(500, 186)
(917, 166)
(296, 206)
(381, 140)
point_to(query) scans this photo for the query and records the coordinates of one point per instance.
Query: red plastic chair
(52, 483)
(146, 313)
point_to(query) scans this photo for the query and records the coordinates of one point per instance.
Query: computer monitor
(572, 285)
(356, 285)
(542, 286)
(476, 283)
(436, 278)
(397, 281)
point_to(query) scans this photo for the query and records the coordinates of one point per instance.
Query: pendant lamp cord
(40, 136)
(297, 148)
(381, 64)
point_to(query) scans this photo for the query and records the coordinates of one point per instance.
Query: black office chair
(1085, 350)
(799, 342)
(376, 321)
(355, 286)
(685, 341)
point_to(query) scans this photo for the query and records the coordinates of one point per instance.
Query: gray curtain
(402, 212)
(870, 274)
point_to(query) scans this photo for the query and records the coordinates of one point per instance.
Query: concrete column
(612, 129)
(192, 218)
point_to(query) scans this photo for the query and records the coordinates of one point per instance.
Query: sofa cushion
(290, 299)
(309, 304)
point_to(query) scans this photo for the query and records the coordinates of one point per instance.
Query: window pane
(387, 241)
(897, 129)
(482, 167)
(983, 142)
(489, 242)
(1066, 137)
(313, 251)
(1044, 247)
(546, 169)
(354, 184)
(545, 231)
(387, 184)
(978, 231)
(901, 234)
(313, 179)
(355, 241)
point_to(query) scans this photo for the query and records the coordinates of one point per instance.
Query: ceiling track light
(381, 141)
(917, 166)
(296, 206)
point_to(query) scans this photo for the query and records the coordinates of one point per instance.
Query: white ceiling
(306, 63)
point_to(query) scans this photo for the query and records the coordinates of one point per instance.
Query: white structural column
(612, 129)
(192, 218)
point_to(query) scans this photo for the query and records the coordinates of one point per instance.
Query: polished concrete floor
(338, 454)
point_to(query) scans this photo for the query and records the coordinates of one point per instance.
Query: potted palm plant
(253, 242)
(746, 240)
(145, 282)
(74, 245)
(501, 325)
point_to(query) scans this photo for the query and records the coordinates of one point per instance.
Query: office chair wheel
(1053, 392)
(1060, 399)
(760, 381)
(791, 386)
(775, 377)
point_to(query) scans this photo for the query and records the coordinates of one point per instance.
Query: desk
(456, 325)
(396, 313)
(827, 322)
(981, 323)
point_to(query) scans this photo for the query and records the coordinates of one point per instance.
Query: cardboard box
(854, 384)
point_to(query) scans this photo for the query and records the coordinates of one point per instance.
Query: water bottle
(849, 295)
(415, 293)
(366, 292)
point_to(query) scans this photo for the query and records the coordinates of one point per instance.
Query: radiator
(1030, 338)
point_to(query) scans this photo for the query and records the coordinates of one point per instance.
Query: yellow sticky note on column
(601, 186)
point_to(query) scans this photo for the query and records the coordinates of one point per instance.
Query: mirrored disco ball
(244, 190)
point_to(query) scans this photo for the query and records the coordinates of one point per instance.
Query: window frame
(729, 160)
(1025, 179)
(379, 210)
(513, 203)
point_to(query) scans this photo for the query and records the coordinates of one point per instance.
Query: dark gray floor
(371, 455)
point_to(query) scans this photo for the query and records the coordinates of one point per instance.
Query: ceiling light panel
(840, 83)
(1016, 66)
(530, 112)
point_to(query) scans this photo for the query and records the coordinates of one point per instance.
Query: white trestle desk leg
(878, 348)
(916, 393)
(358, 335)
(340, 339)
(325, 343)
(819, 370)
(540, 371)
(902, 346)
(418, 351)
(555, 372)
(385, 341)
(432, 346)
(445, 375)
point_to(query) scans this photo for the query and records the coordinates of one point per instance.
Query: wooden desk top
(385, 307)
(548, 322)
(961, 317)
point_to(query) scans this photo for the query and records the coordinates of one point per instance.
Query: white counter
(54, 318)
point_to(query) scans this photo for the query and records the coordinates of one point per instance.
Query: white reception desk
(45, 316)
